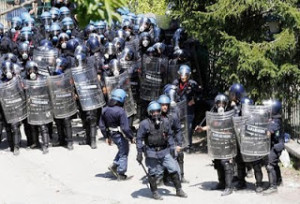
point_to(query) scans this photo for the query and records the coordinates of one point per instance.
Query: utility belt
(158, 148)
(114, 130)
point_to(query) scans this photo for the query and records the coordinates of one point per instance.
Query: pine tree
(242, 48)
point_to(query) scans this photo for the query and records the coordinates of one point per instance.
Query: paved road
(80, 176)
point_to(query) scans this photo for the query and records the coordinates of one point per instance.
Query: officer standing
(188, 90)
(173, 117)
(154, 138)
(275, 131)
(114, 127)
(236, 93)
(224, 167)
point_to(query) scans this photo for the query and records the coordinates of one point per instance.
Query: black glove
(173, 153)
(139, 157)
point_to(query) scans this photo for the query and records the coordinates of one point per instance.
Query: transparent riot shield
(13, 101)
(127, 65)
(46, 60)
(122, 81)
(88, 88)
(39, 106)
(153, 77)
(182, 108)
(239, 125)
(132, 45)
(221, 139)
(62, 95)
(172, 72)
(254, 139)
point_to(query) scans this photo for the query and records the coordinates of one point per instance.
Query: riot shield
(39, 106)
(182, 108)
(239, 124)
(153, 77)
(13, 101)
(126, 65)
(46, 60)
(221, 139)
(62, 95)
(172, 72)
(132, 45)
(122, 81)
(88, 88)
(254, 139)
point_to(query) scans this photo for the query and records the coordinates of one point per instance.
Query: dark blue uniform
(157, 142)
(188, 91)
(173, 117)
(113, 124)
(277, 146)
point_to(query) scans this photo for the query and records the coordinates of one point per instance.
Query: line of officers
(106, 65)
(257, 141)
(41, 66)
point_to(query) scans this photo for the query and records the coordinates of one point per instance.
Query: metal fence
(4, 5)
(39, 7)
(292, 120)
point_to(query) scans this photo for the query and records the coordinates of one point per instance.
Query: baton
(144, 168)
(204, 118)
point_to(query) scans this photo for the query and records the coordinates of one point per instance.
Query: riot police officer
(275, 131)
(173, 116)
(188, 90)
(224, 167)
(154, 138)
(114, 127)
(236, 93)
(32, 74)
(12, 129)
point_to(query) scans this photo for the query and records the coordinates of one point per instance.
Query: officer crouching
(154, 138)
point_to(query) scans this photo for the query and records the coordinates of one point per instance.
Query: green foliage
(97, 10)
(241, 49)
(157, 7)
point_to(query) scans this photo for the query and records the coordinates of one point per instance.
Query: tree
(242, 48)
(98, 10)
(157, 7)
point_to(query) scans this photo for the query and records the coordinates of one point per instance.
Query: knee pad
(270, 168)
(67, 122)
(228, 167)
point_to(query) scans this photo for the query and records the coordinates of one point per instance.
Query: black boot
(221, 179)
(93, 129)
(16, 138)
(228, 179)
(113, 169)
(153, 186)
(60, 132)
(241, 174)
(68, 132)
(272, 180)
(27, 130)
(9, 137)
(45, 138)
(278, 175)
(258, 177)
(34, 136)
(177, 184)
